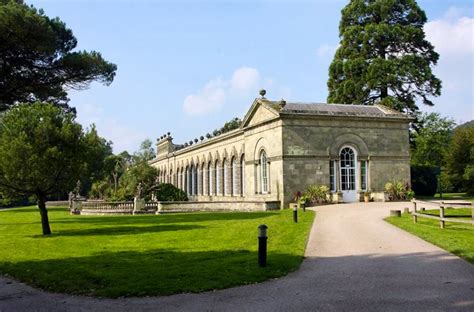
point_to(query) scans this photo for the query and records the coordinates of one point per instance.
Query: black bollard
(295, 214)
(262, 245)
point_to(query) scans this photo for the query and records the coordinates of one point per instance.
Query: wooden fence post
(414, 206)
(415, 218)
(441, 215)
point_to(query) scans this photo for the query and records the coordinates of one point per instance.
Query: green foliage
(398, 190)
(431, 141)
(169, 192)
(424, 179)
(42, 152)
(145, 153)
(37, 58)
(125, 256)
(383, 56)
(460, 158)
(139, 173)
(315, 194)
(228, 126)
(444, 183)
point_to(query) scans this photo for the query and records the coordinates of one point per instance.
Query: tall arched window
(242, 175)
(225, 180)
(348, 179)
(234, 187)
(195, 180)
(218, 179)
(210, 176)
(264, 172)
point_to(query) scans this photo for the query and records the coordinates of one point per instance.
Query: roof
(340, 110)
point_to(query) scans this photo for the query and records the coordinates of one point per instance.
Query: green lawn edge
(455, 238)
(133, 256)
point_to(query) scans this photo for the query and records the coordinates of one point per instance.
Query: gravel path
(355, 261)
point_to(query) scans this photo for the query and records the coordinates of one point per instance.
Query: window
(242, 175)
(225, 168)
(210, 176)
(332, 175)
(363, 175)
(347, 169)
(264, 172)
(218, 179)
(234, 187)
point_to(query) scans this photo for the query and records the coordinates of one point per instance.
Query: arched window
(209, 179)
(218, 179)
(195, 180)
(225, 181)
(242, 175)
(234, 187)
(264, 172)
(348, 179)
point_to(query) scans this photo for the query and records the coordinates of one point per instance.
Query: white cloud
(453, 38)
(218, 92)
(245, 79)
(208, 100)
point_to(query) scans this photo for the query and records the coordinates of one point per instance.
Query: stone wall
(216, 206)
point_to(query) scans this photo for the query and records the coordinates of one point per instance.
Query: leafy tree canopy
(43, 151)
(37, 61)
(431, 141)
(383, 56)
(460, 158)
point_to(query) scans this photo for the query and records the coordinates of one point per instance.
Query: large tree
(383, 56)
(37, 61)
(42, 152)
(431, 140)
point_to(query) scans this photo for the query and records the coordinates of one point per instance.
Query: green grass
(114, 256)
(448, 196)
(457, 238)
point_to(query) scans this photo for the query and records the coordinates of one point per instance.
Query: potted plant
(367, 196)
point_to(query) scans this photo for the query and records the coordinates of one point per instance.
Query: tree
(41, 153)
(145, 153)
(37, 62)
(460, 158)
(431, 141)
(383, 56)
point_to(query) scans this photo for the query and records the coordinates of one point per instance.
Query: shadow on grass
(122, 230)
(155, 272)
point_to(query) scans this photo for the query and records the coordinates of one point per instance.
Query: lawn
(457, 238)
(448, 196)
(114, 256)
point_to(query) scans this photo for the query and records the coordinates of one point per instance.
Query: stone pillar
(138, 205)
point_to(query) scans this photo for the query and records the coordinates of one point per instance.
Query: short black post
(295, 214)
(262, 245)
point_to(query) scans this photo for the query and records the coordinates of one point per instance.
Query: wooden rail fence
(417, 204)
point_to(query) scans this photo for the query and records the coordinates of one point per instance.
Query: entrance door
(348, 174)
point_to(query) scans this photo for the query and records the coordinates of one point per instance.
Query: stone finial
(262, 93)
(282, 103)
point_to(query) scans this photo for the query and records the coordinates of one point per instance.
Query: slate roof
(340, 110)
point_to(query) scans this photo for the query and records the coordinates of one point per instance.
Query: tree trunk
(44, 214)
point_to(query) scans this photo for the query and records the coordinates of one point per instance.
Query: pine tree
(383, 56)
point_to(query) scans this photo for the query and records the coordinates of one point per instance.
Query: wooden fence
(421, 205)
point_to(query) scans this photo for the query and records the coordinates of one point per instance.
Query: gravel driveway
(355, 262)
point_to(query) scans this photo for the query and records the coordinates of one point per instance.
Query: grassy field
(114, 256)
(448, 196)
(457, 238)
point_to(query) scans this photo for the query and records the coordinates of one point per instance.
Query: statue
(139, 190)
(71, 198)
(77, 189)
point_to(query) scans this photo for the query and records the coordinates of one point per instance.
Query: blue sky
(188, 66)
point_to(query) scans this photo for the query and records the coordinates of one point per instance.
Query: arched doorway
(348, 174)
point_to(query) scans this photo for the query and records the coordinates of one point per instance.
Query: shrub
(424, 180)
(169, 192)
(316, 194)
(398, 190)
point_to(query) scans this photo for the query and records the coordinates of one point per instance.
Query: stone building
(282, 148)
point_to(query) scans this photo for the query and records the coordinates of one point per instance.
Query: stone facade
(282, 148)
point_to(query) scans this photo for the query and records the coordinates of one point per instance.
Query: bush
(424, 180)
(316, 194)
(169, 192)
(399, 190)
